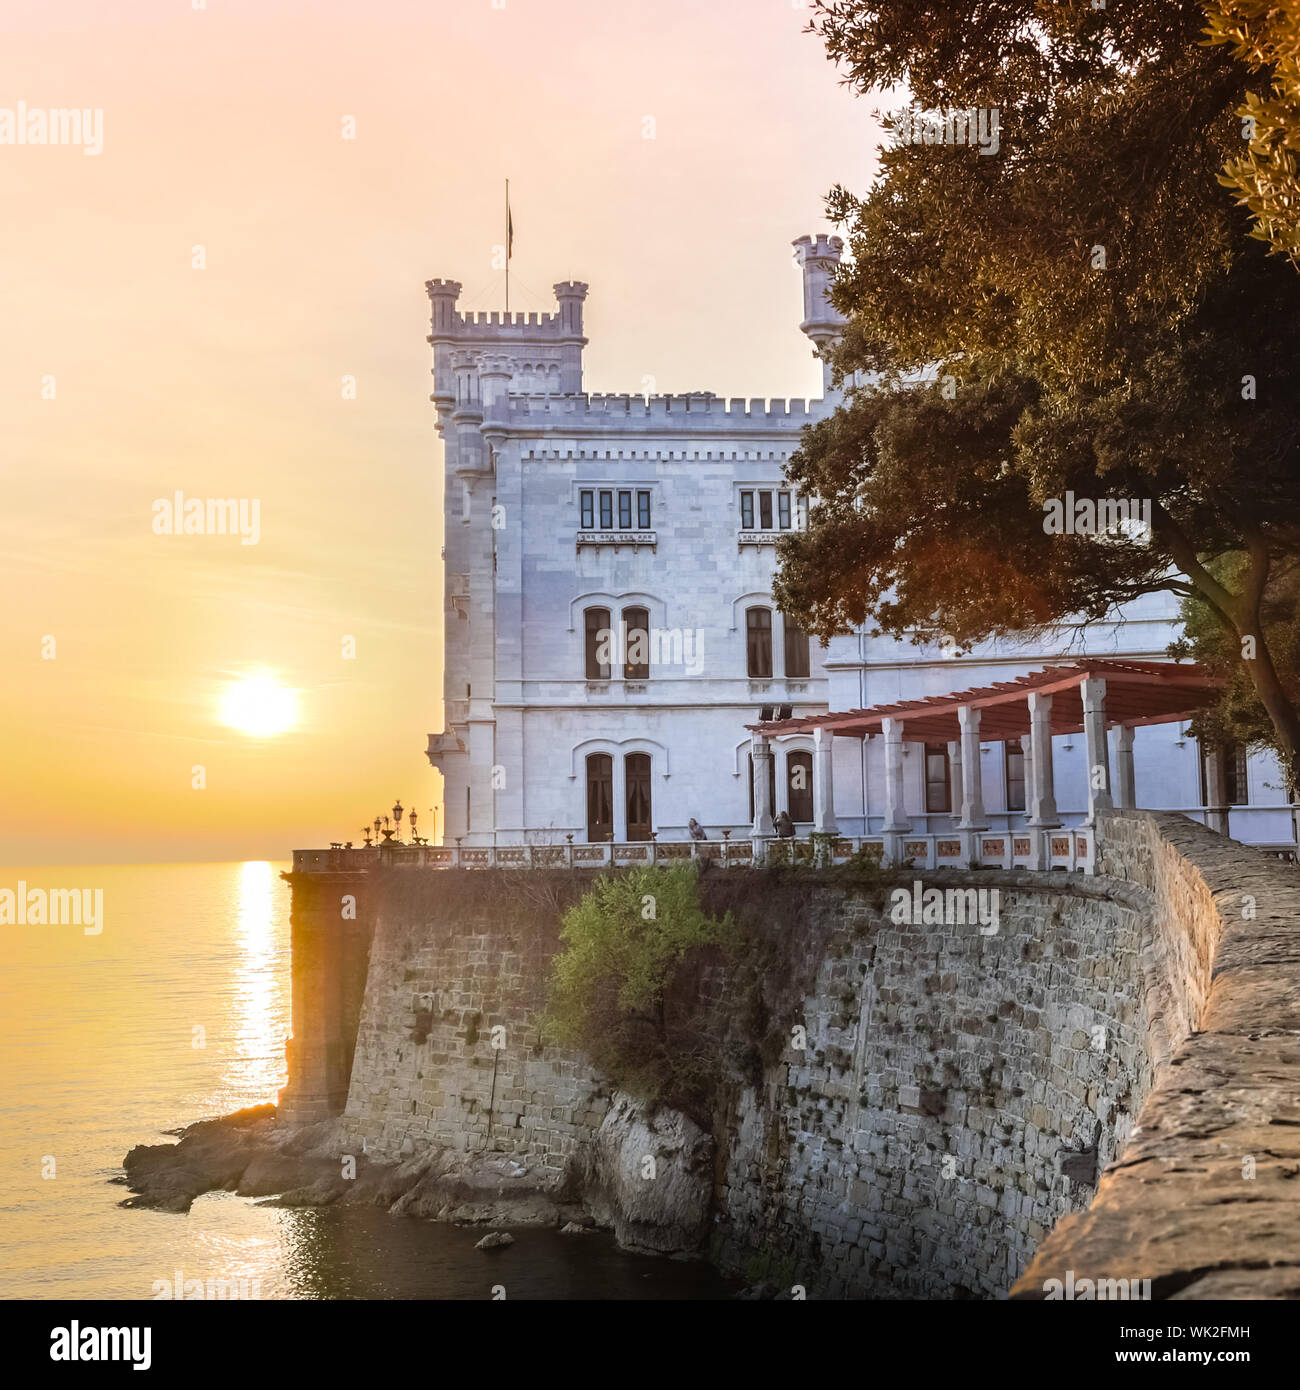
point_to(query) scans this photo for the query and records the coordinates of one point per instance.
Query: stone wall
(1205, 1201)
(447, 968)
(956, 1095)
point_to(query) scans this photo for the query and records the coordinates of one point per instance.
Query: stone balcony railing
(1065, 849)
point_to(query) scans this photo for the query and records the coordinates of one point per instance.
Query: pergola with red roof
(1088, 696)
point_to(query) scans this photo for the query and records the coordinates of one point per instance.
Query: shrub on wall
(623, 948)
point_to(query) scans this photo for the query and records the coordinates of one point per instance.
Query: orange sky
(222, 129)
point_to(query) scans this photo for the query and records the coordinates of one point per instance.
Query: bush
(622, 946)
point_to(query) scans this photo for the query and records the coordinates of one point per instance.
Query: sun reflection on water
(257, 1067)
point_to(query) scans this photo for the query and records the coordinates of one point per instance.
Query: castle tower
(483, 364)
(818, 258)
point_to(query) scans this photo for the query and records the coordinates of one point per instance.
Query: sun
(258, 705)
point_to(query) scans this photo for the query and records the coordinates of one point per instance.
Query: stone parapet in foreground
(1204, 1200)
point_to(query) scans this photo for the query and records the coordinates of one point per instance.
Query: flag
(510, 230)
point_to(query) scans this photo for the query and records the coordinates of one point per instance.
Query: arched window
(596, 634)
(796, 649)
(758, 642)
(600, 798)
(799, 785)
(636, 767)
(636, 634)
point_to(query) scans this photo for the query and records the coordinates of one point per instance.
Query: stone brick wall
(925, 1140)
(445, 971)
(1206, 1203)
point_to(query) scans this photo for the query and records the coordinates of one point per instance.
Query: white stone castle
(610, 631)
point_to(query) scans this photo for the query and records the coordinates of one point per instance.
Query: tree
(1266, 36)
(1084, 312)
(611, 985)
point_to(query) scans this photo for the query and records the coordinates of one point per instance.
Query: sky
(227, 300)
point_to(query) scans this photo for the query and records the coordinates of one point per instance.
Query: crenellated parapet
(696, 411)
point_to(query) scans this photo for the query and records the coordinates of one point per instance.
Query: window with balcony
(758, 642)
(596, 643)
(600, 798)
(772, 509)
(598, 507)
(636, 769)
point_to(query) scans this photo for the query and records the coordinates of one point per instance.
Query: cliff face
(907, 1110)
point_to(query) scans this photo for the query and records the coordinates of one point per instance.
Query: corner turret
(818, 258)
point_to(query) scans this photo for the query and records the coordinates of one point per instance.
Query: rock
(664, 1214)
(571, 1228)
(495, 1240)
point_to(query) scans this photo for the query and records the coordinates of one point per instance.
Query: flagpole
(507, 246)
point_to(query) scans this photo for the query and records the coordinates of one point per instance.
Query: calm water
(178, 1011)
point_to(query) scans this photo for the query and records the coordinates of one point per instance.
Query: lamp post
(397, 821)
(415, 838)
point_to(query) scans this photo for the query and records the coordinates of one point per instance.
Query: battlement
(496, 319)
(698, 409)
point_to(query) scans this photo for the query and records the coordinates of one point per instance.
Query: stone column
(954, 776)
(973, 820)
(1027, 757)
(762, 753)
(1042, 795)
(1093, 692)
(823, 783)
(1124, 767)
(896, 823)
(1216, 790)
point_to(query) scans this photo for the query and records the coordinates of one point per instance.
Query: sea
(177, 1010)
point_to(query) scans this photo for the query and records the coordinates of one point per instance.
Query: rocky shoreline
(253, 1153)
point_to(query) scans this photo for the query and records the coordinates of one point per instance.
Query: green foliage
(1265, 36)
(623, 946)
(994, 362)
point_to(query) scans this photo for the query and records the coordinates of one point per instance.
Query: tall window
(643, 510)
(625, 511)
(783, 510)
(771, 786)
(596, 636)
(796, 649)
(1015, 768)
(937, 796)
(765, 511)
(758, 642)
(606, 511)
(799, 785)
(636, 636)
(1236, 787)
(600, 798)
(587, 501)
(747, 511)
(636, 766)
